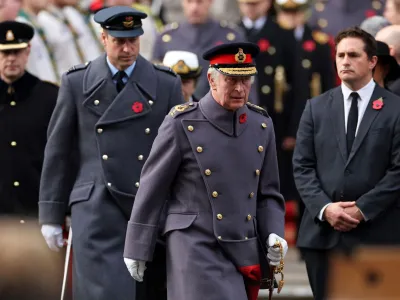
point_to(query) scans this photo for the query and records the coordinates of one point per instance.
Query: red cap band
(229, 59)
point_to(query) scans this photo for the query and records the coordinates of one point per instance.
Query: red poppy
(218, 43)
(137, 107)
(242, 118)
(263, 44)
(370, 13)
(377, 104)
(309, 46)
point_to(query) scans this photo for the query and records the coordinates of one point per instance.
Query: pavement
(296, 280)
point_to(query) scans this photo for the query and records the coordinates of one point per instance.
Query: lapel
(367, 120)
(98, 88)
(131, 102)
(337, 119)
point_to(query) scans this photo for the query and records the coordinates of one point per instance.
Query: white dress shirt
(365, 94)
(257, 24)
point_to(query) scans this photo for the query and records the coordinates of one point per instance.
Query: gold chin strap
(279, 269)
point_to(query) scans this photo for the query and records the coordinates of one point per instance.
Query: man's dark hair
(356, 32)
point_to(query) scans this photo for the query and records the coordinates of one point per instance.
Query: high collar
(232, 123)
(21, 87)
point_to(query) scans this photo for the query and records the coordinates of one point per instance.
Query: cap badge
(9, 36)
(240, 57)
(128, 23)
(181, 67)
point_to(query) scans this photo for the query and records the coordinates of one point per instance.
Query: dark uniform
(197, 39)
(313, 74)
(112, 134)
(26, 106)
(221, 169)
(331, 16)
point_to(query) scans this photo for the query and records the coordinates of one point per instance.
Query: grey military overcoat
(111, 135)
(220, 169)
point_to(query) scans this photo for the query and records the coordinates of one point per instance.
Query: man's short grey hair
(373, 24)
(214, 74)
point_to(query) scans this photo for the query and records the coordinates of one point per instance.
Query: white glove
(53, 236)
(274, 254)
(136, 268)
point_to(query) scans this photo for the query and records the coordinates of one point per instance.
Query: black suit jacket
(370, 175)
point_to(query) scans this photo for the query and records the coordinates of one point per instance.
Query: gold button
(322, 23)
(190, 128)
(260, 148)
(219, 217)
(248, 217)
(231, 36)
(147, 130)
(22, 221)
(263, 125)
(13, 103)
(319, 6)
(207, 172)
(377, 5)
(13, 143)
(99, 130)
(251, 195)
(199, 149)
(246, 238)
(258, 172)
(174, 25)
(151, 102)
(109, 184)
(306, 63)
(137, 184)
(191, 103)
(269, 70)
(220, 237)
(265, 89)
(16, 183)
(96, 102)
(105, 157)
(215, 194)
(271, 50)
(140, 157)
(166, 38)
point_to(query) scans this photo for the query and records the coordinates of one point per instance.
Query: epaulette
(258, 109)
(182, 108)
(78, 67)
(165, 69)
(320, 37)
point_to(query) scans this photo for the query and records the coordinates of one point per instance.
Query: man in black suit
(347, 161)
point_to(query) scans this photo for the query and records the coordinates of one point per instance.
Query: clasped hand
(343, 216)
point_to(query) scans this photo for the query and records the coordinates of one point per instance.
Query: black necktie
(352, 121)
(120, 83)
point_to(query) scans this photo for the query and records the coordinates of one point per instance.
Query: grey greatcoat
(112, 136)
(222, 178)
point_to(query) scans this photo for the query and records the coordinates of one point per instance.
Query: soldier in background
(68, 34)
(9, 9)
(186, 65)
(274, 64)
(331, 16)
(26, 105)
(391, 36)
(41, 62)
(313, 74)
(392, 11)
(197, 34)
